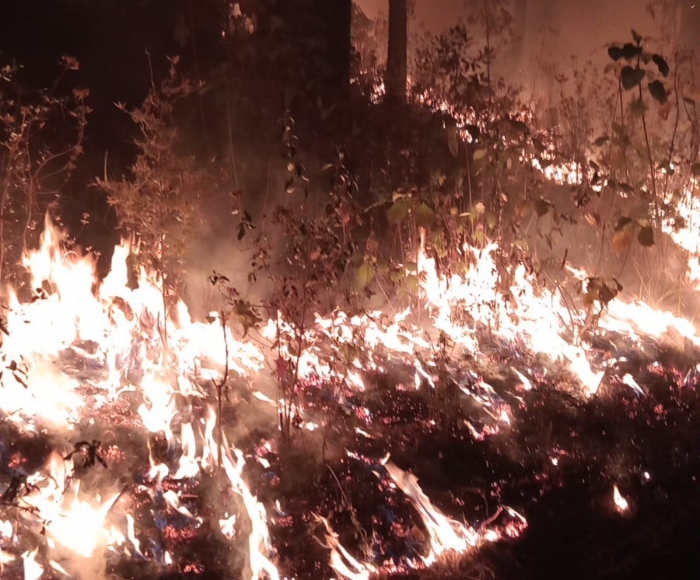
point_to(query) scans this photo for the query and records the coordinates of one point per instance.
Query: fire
(621, 504)
(88, 356)
(445, 533)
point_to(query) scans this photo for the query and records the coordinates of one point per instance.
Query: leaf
(246, 315)
(631, 77)
(491, 220)
(411, 284)
(601, 141)
(661, 64)
(621, 241)
(622, 223)
(452, 140)
(541, 207)
(615, 52)
(695, 168)
(479, 154)
(398, 212)
(646, 236)
(658, 91)
(365, 274)
(425, 216)
(630, 51)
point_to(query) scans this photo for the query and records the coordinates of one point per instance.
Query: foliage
(158, 204)
(41, 138)
(306, 277)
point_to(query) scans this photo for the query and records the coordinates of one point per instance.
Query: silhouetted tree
(397, 58)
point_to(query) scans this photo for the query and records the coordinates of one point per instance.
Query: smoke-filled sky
(581, 26)
(554, 31)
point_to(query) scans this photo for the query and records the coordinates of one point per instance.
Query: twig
(220, 386)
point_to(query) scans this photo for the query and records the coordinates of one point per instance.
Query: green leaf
(658, 91)
(541, 207)
(425, 216)
(480, 154)
(491, 220)
(452, 140)
(411, 284)
(646, 236)
(439, 245)
(661, 64)
(398, 212)
(631, 77)
(365, 274)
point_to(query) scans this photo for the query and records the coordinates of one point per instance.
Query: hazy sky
(583, 26)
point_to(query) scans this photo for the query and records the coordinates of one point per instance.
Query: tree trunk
(337, 18)
(397, 58)
(517, 43)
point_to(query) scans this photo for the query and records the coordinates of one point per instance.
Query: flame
(259, 540)
(445, 533)
(118, 331)
(621, 504)
(341, 560)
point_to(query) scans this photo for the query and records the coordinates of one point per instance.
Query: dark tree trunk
(397, 58)
(337, 18)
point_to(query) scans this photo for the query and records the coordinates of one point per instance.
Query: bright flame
(620, 502)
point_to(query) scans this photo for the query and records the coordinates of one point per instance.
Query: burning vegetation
(460, 345)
